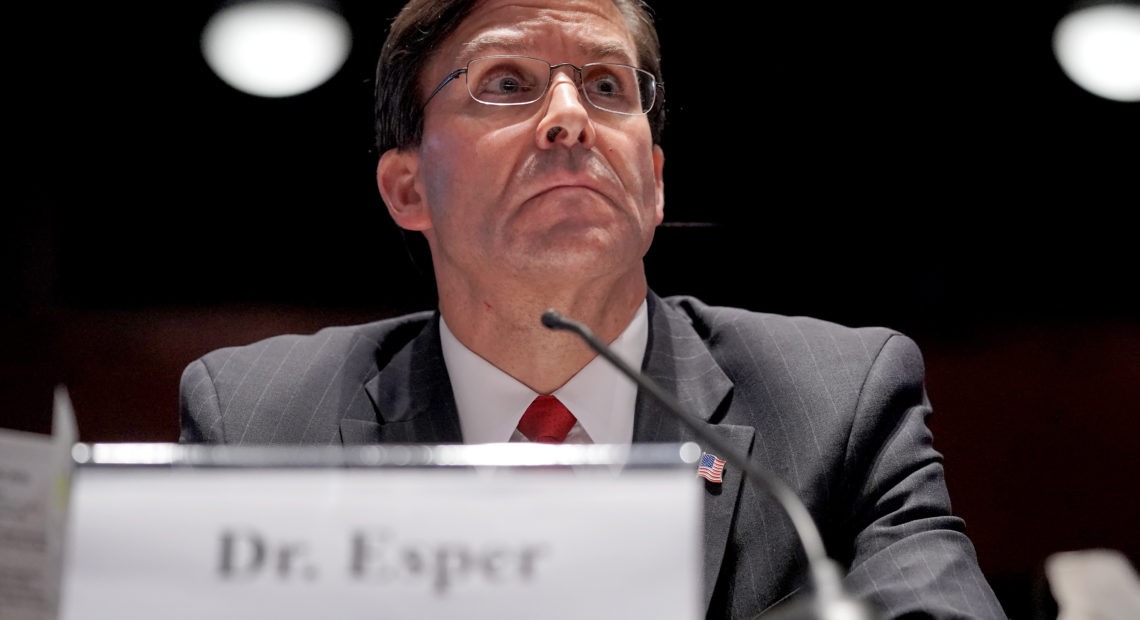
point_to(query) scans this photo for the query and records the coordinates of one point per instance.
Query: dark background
(920, 165)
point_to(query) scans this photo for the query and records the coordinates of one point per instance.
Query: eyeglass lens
(517, 80)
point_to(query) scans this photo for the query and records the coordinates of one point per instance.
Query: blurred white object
(35, 491)
(275, 48)
(1093, 584)
(1098, 47)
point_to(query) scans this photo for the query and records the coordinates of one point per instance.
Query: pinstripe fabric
(838, 413)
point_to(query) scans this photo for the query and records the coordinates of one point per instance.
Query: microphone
(831, 601)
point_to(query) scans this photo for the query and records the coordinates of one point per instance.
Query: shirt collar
(491, 402)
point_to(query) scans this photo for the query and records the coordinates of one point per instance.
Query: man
(523, 141)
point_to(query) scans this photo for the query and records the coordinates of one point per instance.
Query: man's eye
(607, 86)
(505, 83)
(505, 89)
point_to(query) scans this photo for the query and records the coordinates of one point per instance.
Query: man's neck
(505, 328)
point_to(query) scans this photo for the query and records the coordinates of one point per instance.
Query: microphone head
(552, 319)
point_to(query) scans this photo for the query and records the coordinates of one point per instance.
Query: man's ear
(397, 176)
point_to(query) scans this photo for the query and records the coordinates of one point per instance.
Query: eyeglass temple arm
(447, 80)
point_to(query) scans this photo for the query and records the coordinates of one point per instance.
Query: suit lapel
(413, 403)
(411, 397)
(678, 360)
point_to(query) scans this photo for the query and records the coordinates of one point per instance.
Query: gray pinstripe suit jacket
(838, 413)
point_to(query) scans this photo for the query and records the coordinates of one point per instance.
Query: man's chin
(583, 256)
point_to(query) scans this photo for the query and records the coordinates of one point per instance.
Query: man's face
(552, 190)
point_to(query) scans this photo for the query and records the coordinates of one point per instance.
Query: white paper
(34, 489)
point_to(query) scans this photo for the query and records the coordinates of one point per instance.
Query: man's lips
(555, 188)
(558, 185)
(570, 194)
(546, 175)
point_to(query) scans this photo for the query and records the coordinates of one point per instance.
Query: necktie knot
(546, 420)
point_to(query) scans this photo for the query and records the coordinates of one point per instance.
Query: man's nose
(564, 90)
(566, 120)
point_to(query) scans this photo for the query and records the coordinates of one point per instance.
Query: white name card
(377, 543)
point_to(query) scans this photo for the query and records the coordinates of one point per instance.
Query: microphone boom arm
(824, 571)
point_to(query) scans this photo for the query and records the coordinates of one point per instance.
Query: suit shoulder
(731, 326)
(702, 314)
(388, 334)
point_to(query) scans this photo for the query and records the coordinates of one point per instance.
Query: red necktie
(546, 420)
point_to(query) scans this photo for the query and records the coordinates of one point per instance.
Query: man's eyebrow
(501, 43)
(609, 50)
(490, 42)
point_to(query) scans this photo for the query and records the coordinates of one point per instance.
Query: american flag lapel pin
(711, 468)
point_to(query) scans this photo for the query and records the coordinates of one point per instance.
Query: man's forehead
(516, 41)
(594, 27)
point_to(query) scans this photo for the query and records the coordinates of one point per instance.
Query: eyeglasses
(519, 80)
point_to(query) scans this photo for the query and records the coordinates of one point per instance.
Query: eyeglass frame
(450, 77)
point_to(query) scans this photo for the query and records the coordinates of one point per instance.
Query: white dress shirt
(491, 402)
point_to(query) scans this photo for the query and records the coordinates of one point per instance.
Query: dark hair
(421, 27)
